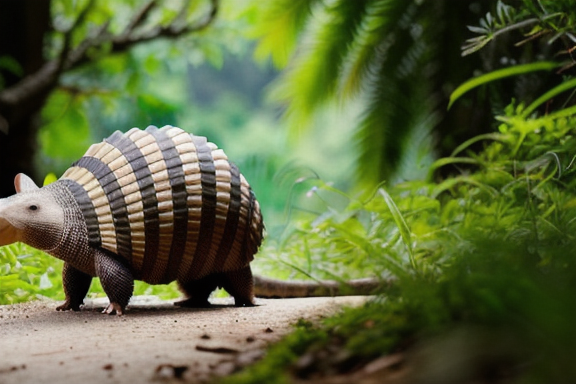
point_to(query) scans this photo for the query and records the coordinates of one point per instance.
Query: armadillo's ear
(24, 183)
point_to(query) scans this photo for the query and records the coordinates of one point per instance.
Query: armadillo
(155, 205)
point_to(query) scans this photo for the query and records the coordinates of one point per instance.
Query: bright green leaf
(49, 179)
(500, 74)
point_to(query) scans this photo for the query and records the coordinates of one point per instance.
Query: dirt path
(154, 342)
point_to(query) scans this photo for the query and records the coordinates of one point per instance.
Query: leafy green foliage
(493, 251)
(113, 87)
(64, 114)
(493, 289)
(27, 273)
(550, 20)
(392, 56)
(491, 26)
(355, 49)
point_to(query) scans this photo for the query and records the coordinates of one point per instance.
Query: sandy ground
(154, 342)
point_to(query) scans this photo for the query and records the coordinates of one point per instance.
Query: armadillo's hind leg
(198, 291)
(116, 279)
(240, 285)
(76, 285)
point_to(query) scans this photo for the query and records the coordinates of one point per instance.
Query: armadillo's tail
(271, 288)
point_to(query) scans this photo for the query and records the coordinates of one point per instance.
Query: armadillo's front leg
(76, 285)
(117, 281)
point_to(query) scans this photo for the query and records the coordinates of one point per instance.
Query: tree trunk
(23, 24)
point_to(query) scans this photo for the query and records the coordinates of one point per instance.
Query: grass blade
(565, 86)
(449, 160)
(500, 74)
(475, 139)
(401, 223)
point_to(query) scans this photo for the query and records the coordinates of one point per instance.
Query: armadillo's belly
(168, 202)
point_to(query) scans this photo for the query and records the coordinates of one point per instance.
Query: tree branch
(63, 57)
(27, 96)
(139, 17)
(172, 30)
(30, 91)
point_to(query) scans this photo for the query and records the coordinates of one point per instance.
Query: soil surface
(154, 342)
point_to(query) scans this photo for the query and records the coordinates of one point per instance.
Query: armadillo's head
(32, 216)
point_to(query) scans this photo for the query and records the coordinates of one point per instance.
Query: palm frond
(281, 24)
(389, 53)
(314, 75)
(387, 130)
(400, 103)
(375, 34)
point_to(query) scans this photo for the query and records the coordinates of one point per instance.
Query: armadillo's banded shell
(168, 202)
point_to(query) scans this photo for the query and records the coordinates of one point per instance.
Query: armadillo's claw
(113, 308)
(68, 306)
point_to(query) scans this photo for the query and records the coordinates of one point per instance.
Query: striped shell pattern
(168, 202)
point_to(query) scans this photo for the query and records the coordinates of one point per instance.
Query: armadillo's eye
(33, 207)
